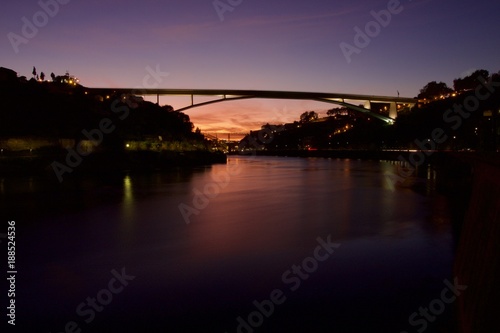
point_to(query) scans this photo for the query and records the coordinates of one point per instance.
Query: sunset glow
(278, 45)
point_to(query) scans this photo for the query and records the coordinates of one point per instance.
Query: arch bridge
(224, 95)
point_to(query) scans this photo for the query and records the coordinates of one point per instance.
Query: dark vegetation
(59, 123)
(56, 110)
(439, 107)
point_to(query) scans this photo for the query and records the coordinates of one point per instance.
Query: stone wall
(477, 262)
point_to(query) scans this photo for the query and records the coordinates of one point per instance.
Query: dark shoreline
(352, 154)
(106, 162)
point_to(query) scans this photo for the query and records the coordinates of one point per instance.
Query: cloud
(297, 18)
(199, 31)
(243, 116)
(181, 32)
(234, 117)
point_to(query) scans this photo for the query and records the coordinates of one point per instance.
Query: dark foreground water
(272, 245)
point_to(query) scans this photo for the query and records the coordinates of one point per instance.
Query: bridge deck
(255, 94)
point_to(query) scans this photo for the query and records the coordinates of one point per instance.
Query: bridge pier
(393, 110)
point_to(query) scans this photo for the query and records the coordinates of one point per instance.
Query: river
(260, 244)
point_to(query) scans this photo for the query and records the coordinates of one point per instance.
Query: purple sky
(271, 44)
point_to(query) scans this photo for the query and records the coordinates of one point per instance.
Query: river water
(261, 244)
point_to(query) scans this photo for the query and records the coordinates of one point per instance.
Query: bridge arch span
(353, 107)
(233, 95)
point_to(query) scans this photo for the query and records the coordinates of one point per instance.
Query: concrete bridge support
(393, 110)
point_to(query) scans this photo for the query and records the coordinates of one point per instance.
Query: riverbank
(105, 162)
(414, 157)
(341, 153)
(377, 155)
(476, 263)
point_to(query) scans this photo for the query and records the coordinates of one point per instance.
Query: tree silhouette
(471, 81)
(34, 71)
(308, 116)
(336, 111)
(42, 76)
(53, 76)
(434, 89)
(495, 77)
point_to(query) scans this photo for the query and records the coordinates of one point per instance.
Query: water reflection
(128, 209)
(265, 218)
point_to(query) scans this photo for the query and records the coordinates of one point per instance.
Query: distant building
(67, 79)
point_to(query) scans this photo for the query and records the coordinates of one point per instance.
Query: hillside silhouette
(62, 125)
